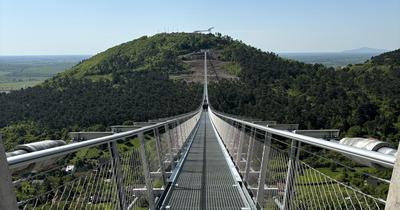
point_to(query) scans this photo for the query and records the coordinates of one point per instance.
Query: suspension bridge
(200, 160)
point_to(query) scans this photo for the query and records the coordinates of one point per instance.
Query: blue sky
(45, 27)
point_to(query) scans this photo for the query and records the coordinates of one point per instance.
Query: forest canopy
(361, 99)
(132, 81)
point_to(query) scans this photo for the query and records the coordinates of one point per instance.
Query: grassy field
(18, 72)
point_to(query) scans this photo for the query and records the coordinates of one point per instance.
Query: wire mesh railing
(127, 170)
(131, 170)
(89, 184)
(286, 173)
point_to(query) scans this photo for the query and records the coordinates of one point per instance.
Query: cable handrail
(37, 156)
(375, 157)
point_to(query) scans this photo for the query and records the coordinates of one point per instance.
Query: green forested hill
(361, 100)
(129, 82)
(159, 52)
(132, 81)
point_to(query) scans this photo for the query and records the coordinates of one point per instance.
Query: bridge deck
(206, 181)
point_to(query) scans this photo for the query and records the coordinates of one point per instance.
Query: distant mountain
(365, 50)
(336, 59)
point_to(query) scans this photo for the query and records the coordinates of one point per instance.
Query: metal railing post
(7, 194)
(229, 130)
(231, 138)
(249, 154)
(263, 169)
(240, 146)
(290, 178)
(178, 138)
(119, 181)
(159, 155)
(185, 127)
(235, 142)
(182, 136)
(146, 172)
(169, 145)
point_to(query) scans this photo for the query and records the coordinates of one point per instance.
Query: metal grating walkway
(205, 180)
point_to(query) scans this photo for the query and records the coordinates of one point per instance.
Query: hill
(160, 53)
(129, 82)
(159, 76)
(361, 100)
(147, 78)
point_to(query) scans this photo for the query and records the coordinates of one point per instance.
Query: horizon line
(282, 52)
